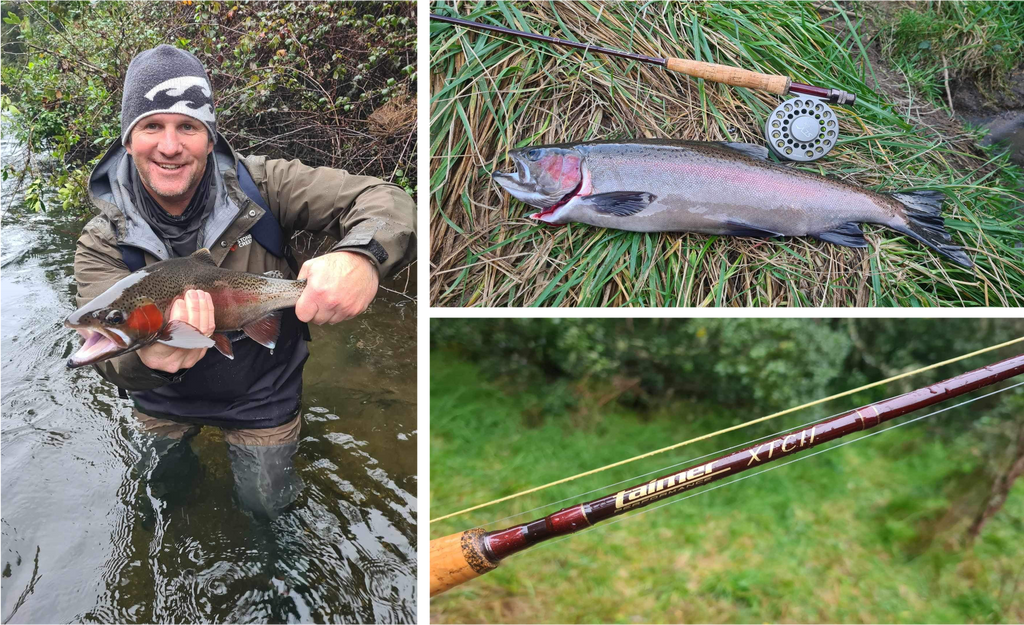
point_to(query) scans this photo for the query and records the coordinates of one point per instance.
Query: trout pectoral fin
(266, 330)
(737, 228)
(223, 345)
(847, 235)
(180, 334)
(618, 203)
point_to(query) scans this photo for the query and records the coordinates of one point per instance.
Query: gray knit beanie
(166, 80)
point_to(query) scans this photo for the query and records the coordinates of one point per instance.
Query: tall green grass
(934, 42)
(491, 94)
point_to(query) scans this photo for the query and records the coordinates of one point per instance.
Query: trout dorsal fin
(754, 151)
(203, 255)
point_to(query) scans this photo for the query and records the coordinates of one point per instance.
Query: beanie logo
(172, 90)
(178, 86)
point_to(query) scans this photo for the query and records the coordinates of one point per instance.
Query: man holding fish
(190, 243)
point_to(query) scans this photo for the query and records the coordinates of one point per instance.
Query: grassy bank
(492, 94)
(871, 532)
(934, 43)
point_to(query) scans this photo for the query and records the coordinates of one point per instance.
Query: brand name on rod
(785, 444)
(656, 489)
(663, 487)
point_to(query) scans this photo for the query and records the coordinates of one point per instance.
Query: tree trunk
(1000, 490)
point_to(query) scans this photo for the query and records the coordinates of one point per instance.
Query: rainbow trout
(712, 188)
(133, 313)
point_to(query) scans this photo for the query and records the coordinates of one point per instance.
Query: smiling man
(170, 151)
(172, 185)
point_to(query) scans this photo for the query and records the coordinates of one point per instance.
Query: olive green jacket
(365, 215)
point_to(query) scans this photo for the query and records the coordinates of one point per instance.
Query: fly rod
(461, 557)
(727, 74)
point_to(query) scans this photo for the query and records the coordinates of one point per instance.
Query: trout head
(545, 177)
(116, 322)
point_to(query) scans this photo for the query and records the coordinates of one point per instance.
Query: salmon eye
(115, 317)
(533, 154)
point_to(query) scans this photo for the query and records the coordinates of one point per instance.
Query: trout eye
(115, 317)
(533, 155)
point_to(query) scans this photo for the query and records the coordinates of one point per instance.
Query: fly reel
(802, 129)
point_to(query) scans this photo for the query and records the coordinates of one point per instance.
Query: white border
(423, 311)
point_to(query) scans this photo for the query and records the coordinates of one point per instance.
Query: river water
(85, 538)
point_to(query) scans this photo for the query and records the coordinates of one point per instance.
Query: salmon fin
(749, 149)
(223, 345)
(847, 235)
(619, 203)
(274, 273)
(180, 334)
(203, 255)
(739, 228)
(265, 330)
(924, 223)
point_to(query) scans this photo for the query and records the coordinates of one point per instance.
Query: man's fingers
(178, 311)
(306, 308)
(192, 304)
(207, 321)
(200, 313)
(193, 356)
(213, 313)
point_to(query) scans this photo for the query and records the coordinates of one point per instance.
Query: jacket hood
(108, 191)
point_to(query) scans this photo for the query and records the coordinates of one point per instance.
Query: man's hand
(196, 309)
(339, 286)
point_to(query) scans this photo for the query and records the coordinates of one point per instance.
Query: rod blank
(725, 74)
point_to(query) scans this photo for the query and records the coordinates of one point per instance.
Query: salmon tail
(924, 223)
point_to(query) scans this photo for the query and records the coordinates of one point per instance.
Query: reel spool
(802, 129)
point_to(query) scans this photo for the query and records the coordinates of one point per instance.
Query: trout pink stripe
(731, 173)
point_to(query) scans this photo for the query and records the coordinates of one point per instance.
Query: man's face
(170, 151)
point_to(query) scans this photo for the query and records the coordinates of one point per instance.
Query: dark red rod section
(835, 96)
(502, 543)
(561, 42)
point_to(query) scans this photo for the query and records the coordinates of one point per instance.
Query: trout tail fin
(924, 223)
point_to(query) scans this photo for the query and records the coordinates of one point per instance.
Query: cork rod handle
(730, 75)
(456, 559)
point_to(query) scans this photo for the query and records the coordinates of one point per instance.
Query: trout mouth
(521, 176)
(523, 186)
(99, 344)
(534, 189)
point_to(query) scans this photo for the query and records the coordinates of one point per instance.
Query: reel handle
(729, 75)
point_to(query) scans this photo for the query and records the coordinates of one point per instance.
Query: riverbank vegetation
(933, 44)
(331, 84)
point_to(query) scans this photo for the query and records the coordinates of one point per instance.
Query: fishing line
(730, 429)
(661, 470)
(777, 466)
